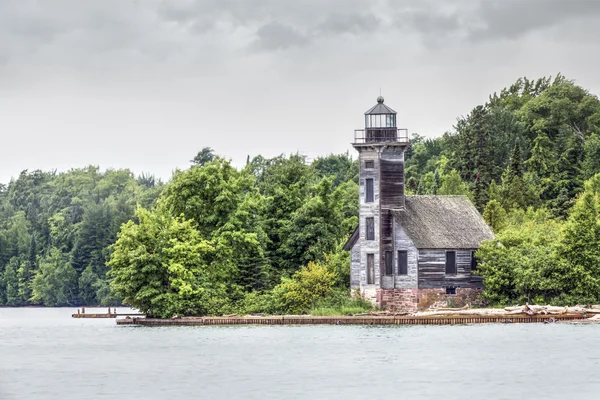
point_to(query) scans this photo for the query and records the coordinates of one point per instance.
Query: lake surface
(44, 354)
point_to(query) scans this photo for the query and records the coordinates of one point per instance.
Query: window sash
(389, 270)
(370, 222)
(369, 198)
(402, 262)
(473, 262)
(451, 263)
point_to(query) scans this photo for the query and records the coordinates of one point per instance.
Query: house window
(370, 164)
(389, 270)
(450, 290)
(451, 263)
(473, 262)
(370, 228)
(370, 269)
(369, 194)
(402, 262)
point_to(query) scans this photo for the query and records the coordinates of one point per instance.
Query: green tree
(591, 161)
(494, 215)
(11, 283)
(580, 248)
(163, 267)
(55, 282)
(314, 229)
(452, 184)
(298, 294)
(204, 156)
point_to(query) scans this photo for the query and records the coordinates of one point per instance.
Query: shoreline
(353, 320)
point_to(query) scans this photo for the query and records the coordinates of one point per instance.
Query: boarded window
(369, 191)
(450, 290)
(370, 229)
(370, 269)
(402, 262)
(370, 164)
(450, 263)
(473, 262)
(389, 269)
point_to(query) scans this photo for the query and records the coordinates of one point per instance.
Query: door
(370, 269)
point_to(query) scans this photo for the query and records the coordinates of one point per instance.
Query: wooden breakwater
(350, 320)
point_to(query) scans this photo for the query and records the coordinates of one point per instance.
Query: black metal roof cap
(380, 108)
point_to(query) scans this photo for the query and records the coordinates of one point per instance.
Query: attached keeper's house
(407, 249)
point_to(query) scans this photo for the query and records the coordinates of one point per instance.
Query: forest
(267, 238)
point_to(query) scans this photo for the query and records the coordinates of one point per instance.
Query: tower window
(370, 228)
(402, 262)
(370, 269)
(451, 263)
(369, 191)
(370, 164)
(389, 270)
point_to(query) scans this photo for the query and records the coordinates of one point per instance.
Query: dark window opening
(402, 262)
(450, 263)
(474, 262)
(370, 269)
(389, 270)
(369, 194)
(450, 290)
(370, 228)
(370, 164)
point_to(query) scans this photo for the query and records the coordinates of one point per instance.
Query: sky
(145, 84)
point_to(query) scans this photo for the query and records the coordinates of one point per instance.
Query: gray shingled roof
(443, 222)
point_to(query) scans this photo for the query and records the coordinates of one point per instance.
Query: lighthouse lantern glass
(380, 121)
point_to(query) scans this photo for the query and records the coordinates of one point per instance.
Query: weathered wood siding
(432, 270)
(391, 175)
(388, 189)
(387, 244)
(392, 183)
(403, 242)
(355, 266)
(368, 210)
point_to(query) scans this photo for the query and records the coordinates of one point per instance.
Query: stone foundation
(421, 299)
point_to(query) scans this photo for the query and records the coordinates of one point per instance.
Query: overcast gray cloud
(145, 83)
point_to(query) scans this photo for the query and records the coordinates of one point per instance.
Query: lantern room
(380, 127)
(380, 116)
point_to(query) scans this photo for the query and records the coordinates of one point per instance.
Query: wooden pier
(110, 314)
(350, 320)
(104, 315)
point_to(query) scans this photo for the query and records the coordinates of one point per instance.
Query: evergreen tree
(435, 183)
(494, 192)
(591, 161)
(11, 282)
(494, 215)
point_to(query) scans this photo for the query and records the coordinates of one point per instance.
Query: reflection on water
(45, 354)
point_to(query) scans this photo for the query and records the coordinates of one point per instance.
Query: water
(44, 354)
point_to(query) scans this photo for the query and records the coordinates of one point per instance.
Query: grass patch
(340, 303)
(344, 310)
